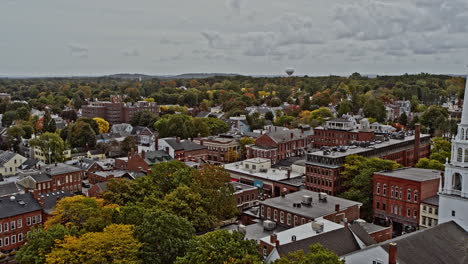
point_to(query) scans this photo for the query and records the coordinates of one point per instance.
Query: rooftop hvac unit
(269, 225)
(317, 226)
(323, 196)
(242, 229)
(306, 199)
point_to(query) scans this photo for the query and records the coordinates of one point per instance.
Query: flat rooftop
(412, 174)
(434, 200)
(271, 174)
(240, 187)
(357, 150)
(316, 210)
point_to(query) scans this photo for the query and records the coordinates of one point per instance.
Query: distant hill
(132, 76)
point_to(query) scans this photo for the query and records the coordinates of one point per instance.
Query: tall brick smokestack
(417, 142)
(392, 253)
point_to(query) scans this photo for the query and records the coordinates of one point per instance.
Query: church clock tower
(453, 190)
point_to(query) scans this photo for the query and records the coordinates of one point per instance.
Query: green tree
(344, 108)
(14, 135)
(94, 125)
(28, 130)
(358, 175)
(48, 123)
(128, 144)
(269, 116)
(306, 104)
(221, 247)
(244, 142)
(317, 255)
(144, 118)
(81, 134)
(403, 119)
(8, 118)
(50, 142)
(40, 242)
(216, 126)
(375, 108)
(164, 236)
(432, 164)
(435, 118)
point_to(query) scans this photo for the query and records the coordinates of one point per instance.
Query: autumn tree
(115, 244)
(102, 124)
(221, 247)
(245, 141)
(51, 144)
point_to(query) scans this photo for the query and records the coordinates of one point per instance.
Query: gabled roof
(21, 204)
(186, 145)
(286, 135)
(8, 189)
(51, 199)
(139, 129)
(153, 157)
(6, 156)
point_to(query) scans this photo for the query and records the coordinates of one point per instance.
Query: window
(289, 219)
(1, 227)
(415, 213)
(275, 215)
(385, 189)
(1, 242)
(430, 210)
(436, 211)
(384, 207)
(34, 220)
(378, 205)
(20, 237)
(268, 212)
(453, 213)
(459, 155)
(408, 195)
(7, 241)
(424, 220)
(13, 239)
(5, 227)
(296, 220)
(282, 217)
(415, 196)
(378, 188)
(262, 210)
(466, 155)
(401, 193)
(424, 208)
(457, 180)
(303, 220)
(392, 192)
(28, 221)
(429, 222)
(377, 262)
(12, 225)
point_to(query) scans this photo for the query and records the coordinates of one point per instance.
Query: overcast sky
(316, 37)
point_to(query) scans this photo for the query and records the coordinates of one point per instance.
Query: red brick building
(55, 177)
(324, 168)
(141, 162)
(304, 206)
(280, 144)
(246, 195)
(104, 176)
(97, 189)
(340, 132)
(398, 195)
(18, 214)
(183, 150)
(116, 111)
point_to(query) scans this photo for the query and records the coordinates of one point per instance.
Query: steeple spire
(464, 119)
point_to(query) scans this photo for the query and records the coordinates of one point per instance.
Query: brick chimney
(277, 244)
(273, 238)
(178, 139)
(38, 198)
(337, 207)
(289, 173)
(392, 253)
(143, 154)
(417, 131)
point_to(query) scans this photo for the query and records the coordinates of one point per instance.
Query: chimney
(38, 198)
(178, 139)
(392, 253)
(273, 238)
(337, 207)
(143, 154)
(156, 146)
(201, 142)
(277, 243)
(417, 131)
(289, 173)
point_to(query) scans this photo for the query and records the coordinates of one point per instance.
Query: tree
(28, 130)
(120, 191)
(403, 119)
(432, 164)
(81, 134)
(81, 212)
(69, 115)
(50, 143)
(48, 123)
(40, 242)
(244, 142)
(144, 118)
(306, 104)
(317, 255)
(231, 156)
(375, 108)
(14, 135)
(128, 144)
(358, 174)
(216, 126)
(269, 116)
(164, 236)
(435, 118)
(102, 124)
(221, 247)
(116, 244)
(8, 118)
(344, 108)
(94, 125)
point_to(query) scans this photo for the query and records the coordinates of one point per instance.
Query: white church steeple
(453, 191)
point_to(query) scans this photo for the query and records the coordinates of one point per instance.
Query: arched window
(466, 154)
(459, 154)
(457, 182)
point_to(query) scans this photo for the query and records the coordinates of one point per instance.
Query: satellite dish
(289, 71)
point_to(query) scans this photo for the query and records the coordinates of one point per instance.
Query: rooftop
(413, 174)
(269, 174)
(8, 188)
(60, 168)
(20, 204)
(316, 210)
(240, 187)
(434, 200)
(51, 199)
(186, 145)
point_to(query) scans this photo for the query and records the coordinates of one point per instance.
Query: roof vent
(307, 200)
(323, 196)
(269, 225)
(293, 238)
(21, 202)
(317, 226)
(12, 198)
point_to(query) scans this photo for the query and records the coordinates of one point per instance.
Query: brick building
(116, 111)
(339, 132)
(324, 168)
(18, 214)
(398, 195)
(246, 195)
(183, 149)
(259, 173)
(141, 162)
(52, 178)
(97, 189)
(304, 206)
(280, 144)
(104, 176)
(221, 149)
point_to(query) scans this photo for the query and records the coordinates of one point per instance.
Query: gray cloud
(77, 50)
(234, 6)
(133, 52)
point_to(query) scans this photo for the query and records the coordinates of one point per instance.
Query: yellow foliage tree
(103, 125)
(116, 244)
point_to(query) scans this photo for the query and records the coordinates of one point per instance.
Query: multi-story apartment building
(52, 178)
(18, 215)
(280, 144)
(246, 195)
(429, 212)
(398, 194)
(220, 149)
(116, 111)
(324, 168)
(340, 132)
